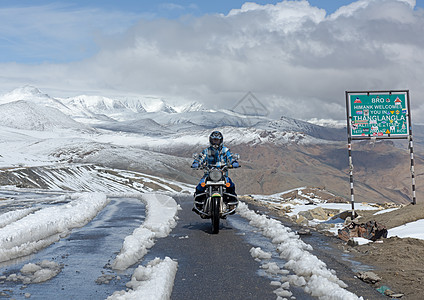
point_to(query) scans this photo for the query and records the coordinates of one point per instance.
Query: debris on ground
(370, 230)
(388, 292)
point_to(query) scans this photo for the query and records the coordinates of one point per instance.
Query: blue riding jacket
(215, 157)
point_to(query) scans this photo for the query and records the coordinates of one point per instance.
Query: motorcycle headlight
(215, 175)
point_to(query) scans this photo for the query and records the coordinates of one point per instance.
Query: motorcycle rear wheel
(215, 215)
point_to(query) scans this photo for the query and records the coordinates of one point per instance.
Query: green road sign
(378, 115)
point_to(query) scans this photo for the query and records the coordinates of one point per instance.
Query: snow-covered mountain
(154, 116)
(92, 105)
(31, 116)
(33, 94)
(190, 107)
(29, 108)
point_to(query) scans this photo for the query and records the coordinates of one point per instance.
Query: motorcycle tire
(215, 215)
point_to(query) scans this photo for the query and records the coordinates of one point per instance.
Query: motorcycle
(219, 204)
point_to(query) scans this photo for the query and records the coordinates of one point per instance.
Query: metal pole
(352, 195)
(411, 150)
(349, 147)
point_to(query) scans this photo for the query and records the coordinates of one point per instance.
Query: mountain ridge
(123, 115)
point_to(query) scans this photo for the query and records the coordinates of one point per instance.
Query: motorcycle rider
(215, 155)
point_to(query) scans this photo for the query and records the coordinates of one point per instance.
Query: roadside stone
(324, 226)
(351, 242)
(368, 277)
(301, 220)
(304, 232)
(317, 213)
(388, 292)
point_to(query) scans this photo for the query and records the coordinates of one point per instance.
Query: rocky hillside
(381, 171)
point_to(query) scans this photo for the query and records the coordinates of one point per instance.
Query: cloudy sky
(297, 57)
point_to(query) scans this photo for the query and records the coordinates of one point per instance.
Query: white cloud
(290, 55)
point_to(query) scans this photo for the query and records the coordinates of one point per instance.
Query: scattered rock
(105, 279)
(5, 295)
(324, 226)
(317, 213)
(301, 220)
(351, 242)
(304, 232)
(368, 277)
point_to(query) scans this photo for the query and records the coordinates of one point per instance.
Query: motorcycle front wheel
(215, 214)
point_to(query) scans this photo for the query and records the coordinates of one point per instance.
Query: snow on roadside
(15, 215)
(45, 226)
(386, 211)
(309, 272)
(412, 230)
(152, 282)
(36, 273)
(259, 254)
(161, 218)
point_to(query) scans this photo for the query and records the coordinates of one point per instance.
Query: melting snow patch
(310, 272)
(154, 281)
(271, 268)
(283, 293)
(36, 273)
(161, 218)
(361, 241)
(43, 227)
(258, 253)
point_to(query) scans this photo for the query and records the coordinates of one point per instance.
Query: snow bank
(152, 282)
(15, 215)
(161, 218)
(411, 230)
(310, 272)
(43, 227)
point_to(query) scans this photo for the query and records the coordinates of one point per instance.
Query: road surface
(210, 266)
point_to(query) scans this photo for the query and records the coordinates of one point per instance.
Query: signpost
(379, 115)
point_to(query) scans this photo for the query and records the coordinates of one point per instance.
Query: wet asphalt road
(211, 266)
(84, 255)
(221, 267)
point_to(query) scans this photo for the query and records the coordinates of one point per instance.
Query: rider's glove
(236, 164)
(195, 165)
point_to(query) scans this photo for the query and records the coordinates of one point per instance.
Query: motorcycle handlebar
(203, 167)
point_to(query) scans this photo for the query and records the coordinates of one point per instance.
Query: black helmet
(216, 139)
